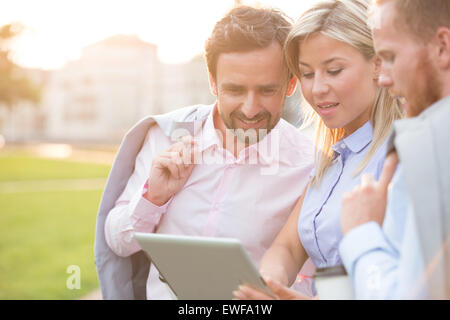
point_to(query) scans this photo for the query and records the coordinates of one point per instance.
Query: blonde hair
(345, 21)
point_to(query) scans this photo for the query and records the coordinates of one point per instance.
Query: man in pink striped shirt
(240, 170)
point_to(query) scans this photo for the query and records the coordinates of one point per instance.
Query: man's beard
(429, 92)
(250, 136)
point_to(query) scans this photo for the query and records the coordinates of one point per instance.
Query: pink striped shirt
(249, 197)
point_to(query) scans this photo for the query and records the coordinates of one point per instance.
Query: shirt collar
(435, 107)
(357, 141)
(208, 134)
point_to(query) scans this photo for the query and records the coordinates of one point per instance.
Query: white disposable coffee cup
(333, 283)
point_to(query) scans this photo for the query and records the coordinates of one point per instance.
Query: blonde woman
(330, 50)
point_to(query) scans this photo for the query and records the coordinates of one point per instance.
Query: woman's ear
(291, 86)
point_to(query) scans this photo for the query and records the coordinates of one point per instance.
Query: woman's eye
(308, 75)
(335, 72)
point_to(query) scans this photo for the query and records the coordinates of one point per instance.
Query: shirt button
(343, 146)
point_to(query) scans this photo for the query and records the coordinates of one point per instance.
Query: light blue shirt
(387, 263)
(319, 224)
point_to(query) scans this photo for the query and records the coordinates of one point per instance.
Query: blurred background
(75, 75)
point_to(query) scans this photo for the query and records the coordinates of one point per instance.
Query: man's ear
(291, 86)
(442, 41)
(212, 84)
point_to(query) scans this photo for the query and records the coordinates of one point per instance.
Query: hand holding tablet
(201, 268)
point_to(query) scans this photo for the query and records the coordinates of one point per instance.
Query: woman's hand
(280, 291)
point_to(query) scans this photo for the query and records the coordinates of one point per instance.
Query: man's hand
(170, 171)
(367, 202)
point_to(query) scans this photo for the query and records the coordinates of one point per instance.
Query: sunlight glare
(57, 31)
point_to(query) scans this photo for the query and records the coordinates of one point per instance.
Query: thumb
(277, 288)
(390, 164)
(285, 293)
(187, 171)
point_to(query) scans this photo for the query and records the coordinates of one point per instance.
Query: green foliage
(15, 86)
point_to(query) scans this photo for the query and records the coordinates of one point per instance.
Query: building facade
(115, 83)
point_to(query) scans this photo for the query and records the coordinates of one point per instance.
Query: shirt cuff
(146, 214)
(359, 241)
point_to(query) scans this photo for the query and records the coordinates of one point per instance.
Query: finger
(188, 140)
(347, 196)
(166, 163)
(266, 276)
(177, 157)
(176, 146)
(184, 166)
(195, 155)
(277, 288)
(182, 159)
(183, 148)
(186, 155)
(190, 150)
(253, 293)
(390, 164)
(187, 170)
(284, 293)
(367, 179)
(238, 295)
(248, 293)
(183, 169)
(172, 155)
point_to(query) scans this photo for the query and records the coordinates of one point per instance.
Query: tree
(15, 86)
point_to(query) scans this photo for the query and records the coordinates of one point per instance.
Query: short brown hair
(421, 18)
(245, 29)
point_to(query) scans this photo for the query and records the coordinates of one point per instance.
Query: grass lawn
(42, 233)
(26, 167)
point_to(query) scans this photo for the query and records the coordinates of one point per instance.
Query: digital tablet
(201, 268)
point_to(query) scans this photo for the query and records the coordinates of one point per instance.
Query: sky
(57, 30)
